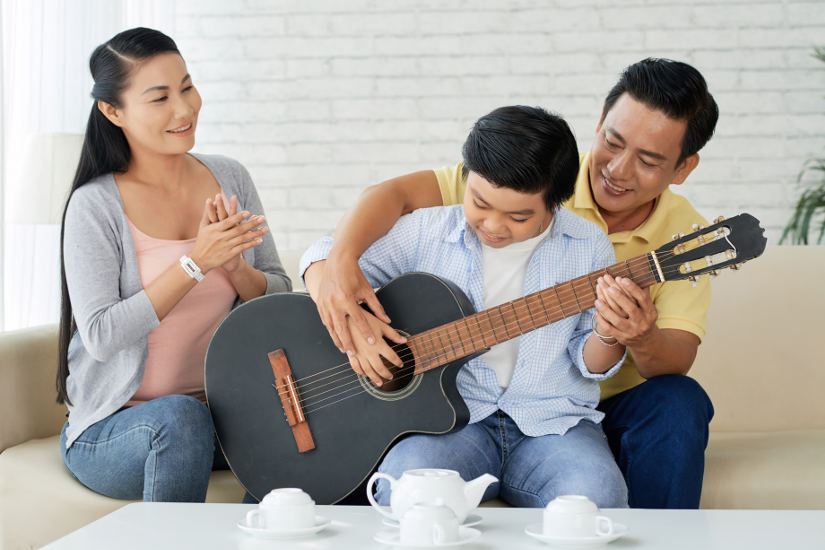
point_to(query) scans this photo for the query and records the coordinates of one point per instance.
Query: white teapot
(430, 485)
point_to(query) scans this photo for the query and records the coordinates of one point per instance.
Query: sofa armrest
(28, 364)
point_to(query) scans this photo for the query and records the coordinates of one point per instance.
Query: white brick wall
(320, 98)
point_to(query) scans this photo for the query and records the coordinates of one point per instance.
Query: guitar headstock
(727, 243)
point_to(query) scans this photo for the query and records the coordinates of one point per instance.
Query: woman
(153, 257)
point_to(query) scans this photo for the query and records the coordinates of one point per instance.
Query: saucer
(470, 521)
(535, 531)
(393, 538)
(263, 533)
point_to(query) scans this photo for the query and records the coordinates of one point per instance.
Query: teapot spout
(474, 489)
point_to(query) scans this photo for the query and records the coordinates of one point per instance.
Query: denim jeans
(658, 432)
(532, 470)
(162, 451)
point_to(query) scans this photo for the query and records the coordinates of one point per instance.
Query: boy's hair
(675, 88)
(526, 149)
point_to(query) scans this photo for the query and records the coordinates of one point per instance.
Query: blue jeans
(658, 432)
(162, 451)
(532, 470)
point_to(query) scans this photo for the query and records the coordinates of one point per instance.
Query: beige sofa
(762, 364)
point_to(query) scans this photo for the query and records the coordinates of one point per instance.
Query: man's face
(501, 216)
(633, 160)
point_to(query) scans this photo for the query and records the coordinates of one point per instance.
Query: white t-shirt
(504, 273)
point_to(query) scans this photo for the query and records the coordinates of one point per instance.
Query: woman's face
(159, 108)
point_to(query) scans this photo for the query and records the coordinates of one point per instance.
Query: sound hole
(401, 376)
(403, 381)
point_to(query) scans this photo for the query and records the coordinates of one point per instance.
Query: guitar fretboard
(468, 335)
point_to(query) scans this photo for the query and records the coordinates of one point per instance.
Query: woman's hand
(224, 234)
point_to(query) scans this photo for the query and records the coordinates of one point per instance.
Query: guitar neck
(446, 343)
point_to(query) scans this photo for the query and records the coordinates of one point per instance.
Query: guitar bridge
(285, 387)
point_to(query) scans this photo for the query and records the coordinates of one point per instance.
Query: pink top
(177, 347)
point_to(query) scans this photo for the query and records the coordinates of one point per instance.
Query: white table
(160, 526)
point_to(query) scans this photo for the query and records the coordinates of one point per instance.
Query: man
(652, 126)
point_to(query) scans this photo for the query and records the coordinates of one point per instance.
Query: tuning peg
(692, 280)
(734, 267)
(713, 273)
(719, 219)
(674, 237)
(697, 227)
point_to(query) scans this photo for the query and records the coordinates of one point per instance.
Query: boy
(532, 400)
(654, 122)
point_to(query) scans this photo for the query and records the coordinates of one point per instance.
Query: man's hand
(625, 310)
(366, 357)
(341, 288)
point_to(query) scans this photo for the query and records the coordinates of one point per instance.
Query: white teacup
(282, 510)
(575, 516)
(428, 524)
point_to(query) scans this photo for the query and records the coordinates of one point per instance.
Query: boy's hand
(626, 309)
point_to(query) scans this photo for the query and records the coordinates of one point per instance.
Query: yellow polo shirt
(680, 306)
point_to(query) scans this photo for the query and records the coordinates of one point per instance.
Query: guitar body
(352, 423)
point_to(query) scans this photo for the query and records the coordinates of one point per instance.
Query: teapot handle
(375, 477)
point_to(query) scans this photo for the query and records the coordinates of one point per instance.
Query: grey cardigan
(114, 316)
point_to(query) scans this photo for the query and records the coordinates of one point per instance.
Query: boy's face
(633, 158)
(501, 216)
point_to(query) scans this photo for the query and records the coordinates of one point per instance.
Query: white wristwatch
(191, 268)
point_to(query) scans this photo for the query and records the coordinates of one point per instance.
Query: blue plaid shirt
(551, 389)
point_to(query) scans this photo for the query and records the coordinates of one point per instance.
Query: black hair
(105, 148)
(526, 149)
(675, 88)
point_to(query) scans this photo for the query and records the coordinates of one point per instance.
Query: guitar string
(307, 391)
(317, 408)
(312, 404)
(307, 388)
(566, 288)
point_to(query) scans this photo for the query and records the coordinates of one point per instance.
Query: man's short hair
(675, 88)
(526, 149)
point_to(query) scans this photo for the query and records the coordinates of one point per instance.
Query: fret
(588, 296)
(475, 332)
(497, 325)
(459, 346)
(486, 323)
(544, 307)
(438, 332)
(507, 319)
(558, 299)
(535, 324)
(573, 288)
(467, 335)
(516, 316)
(477, 318)
(432, 351)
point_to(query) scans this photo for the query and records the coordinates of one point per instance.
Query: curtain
(46, 83)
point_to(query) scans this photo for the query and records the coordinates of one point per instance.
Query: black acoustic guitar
(290, 412)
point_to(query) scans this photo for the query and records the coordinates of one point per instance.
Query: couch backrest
(763, 359)
(28, 364)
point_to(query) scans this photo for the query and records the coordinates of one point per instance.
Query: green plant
(811, 204)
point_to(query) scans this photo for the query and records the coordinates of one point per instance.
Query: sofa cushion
(34, 478)
(767, 470)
